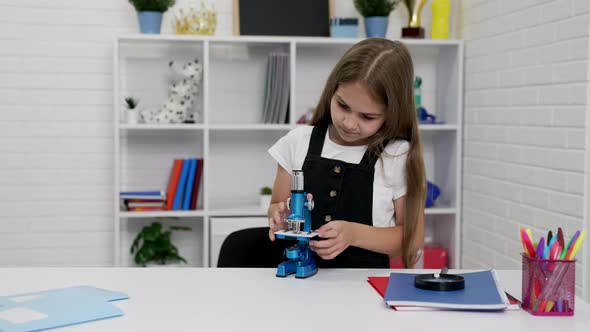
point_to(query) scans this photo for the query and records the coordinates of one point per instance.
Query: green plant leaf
(368, 8)
(135, 244)
(152, 232)
(131, 103)
(180, 228)
(153, 244)
(152, 5)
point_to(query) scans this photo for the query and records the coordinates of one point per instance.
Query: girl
(361, 160)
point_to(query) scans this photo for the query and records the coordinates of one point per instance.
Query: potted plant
(153, 245)
(265, 196)
(132, 111)
(376, 14)
(149, 13)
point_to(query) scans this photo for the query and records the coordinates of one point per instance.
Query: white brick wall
(56, 131)
(56, 124)
(526, 90)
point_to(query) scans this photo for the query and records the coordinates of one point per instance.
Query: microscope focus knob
(310, 204)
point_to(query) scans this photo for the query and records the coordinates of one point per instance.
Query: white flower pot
(265, 201)
(133, 116)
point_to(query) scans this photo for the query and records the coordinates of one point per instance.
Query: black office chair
(252, 248)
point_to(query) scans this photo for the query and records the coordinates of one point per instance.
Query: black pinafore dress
(341, 191)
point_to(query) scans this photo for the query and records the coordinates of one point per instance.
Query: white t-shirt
(389, 181)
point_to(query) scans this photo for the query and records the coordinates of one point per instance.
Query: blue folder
(56, 308)
(481, 292)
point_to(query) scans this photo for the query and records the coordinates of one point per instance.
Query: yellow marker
(549, 306)
(577, 245)
(523, 241)
(528, 231)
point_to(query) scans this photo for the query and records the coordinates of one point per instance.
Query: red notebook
(380, 285)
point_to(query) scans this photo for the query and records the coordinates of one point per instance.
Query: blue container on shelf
(344, 27)
(149, 22)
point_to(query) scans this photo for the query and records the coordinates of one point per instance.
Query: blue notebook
(56, 308)
(481, 292)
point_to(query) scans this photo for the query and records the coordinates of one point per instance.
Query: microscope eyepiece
(297, 181)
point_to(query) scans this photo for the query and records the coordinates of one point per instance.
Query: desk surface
(193, 299)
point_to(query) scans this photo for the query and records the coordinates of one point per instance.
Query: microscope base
(301, 271)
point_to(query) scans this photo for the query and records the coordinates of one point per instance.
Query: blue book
(180, 186)
(188, 189)
(481, 292)
(149, 195)
(56, 308)
(141, 193)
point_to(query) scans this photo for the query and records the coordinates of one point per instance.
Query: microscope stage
(282, 234)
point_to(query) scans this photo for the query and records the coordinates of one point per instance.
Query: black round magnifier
(439, 281)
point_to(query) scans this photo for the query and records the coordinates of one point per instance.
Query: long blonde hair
(385, 68)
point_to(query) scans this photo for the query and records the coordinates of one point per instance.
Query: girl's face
(356, 115)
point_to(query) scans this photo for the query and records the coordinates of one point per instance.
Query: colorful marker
(549, 306)
(570, 246)
(576, 245)
(540, 248)
(527, 243)
(560, 237)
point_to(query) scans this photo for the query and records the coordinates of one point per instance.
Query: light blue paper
(59, 307)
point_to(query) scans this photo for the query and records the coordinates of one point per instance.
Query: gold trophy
(414, 30)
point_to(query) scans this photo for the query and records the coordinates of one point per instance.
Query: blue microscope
(299, 256)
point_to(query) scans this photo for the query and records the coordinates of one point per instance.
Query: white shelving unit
(233, 142)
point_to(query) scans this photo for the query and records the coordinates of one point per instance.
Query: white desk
(187, 299)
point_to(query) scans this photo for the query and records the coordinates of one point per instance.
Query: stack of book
(143, 200)
(277, 89)
(182, 193)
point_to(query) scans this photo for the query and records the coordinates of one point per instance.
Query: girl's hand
(338, 235)
(277, 213)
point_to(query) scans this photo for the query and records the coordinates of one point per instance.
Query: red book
(146, 208)
(156, 200)
(173, 182)
(146, 204)
(196, 184)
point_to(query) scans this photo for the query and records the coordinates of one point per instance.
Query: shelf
(278, 40)
(162, 214)
(172, 126)
(256, 211)
(255, 126)
(239, 211)
(234, 143)
(435, 127)
(440, 210)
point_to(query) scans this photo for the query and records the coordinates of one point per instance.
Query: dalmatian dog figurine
(180, 107)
